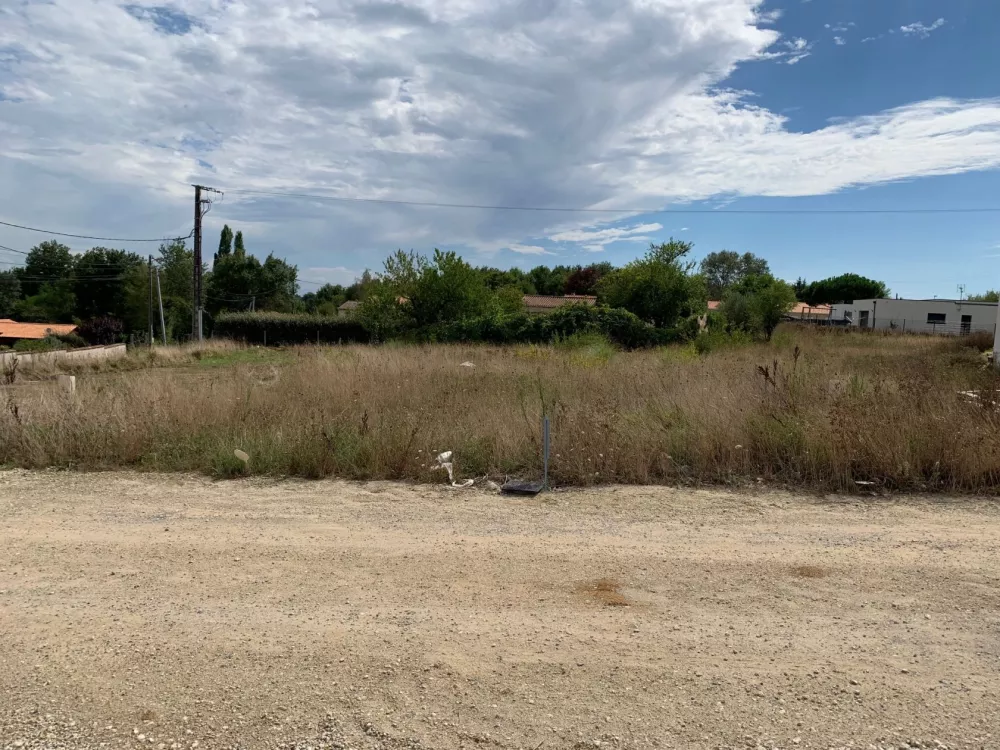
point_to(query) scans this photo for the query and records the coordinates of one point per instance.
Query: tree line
(106, 291)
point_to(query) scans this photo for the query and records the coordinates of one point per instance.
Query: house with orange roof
(11, 331)
(540, 303)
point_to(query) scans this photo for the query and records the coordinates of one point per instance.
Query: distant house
(537, 303)
(348, 308)
(945, 316)
(802, 311)
(11, 331)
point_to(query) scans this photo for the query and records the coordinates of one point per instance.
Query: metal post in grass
(545, 453)
(518, 487)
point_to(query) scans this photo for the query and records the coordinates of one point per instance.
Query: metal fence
(904, 325)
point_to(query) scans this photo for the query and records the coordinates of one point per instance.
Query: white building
(945, 316)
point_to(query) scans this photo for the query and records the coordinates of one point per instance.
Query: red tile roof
(11, 330)
(540, 300)
(801, 308)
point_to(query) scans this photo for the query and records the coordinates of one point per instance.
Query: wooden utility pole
(201, 207)
(195, 319)
(149, 315)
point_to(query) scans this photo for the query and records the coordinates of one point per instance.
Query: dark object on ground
(515, 487)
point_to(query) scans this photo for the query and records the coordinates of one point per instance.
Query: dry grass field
(822, 409)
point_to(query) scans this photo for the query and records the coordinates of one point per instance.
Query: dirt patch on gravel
(174, 612)
(605, 591)
(810, 571)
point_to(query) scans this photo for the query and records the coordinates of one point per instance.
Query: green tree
(990, 295)
(800, 288)
(496, 279)
(758, 304)
(508, 300)
(54, 303)
(549, 281)
(279, 280)
(99, 280)
(381, 312)
(47, 262)
(238, 248)
(447, 289)
(326, 300)
(403, 271)
(725, 268)
(239, 281)
(844, 288)
(584, 280)
(176, 264)
(659, 288)
(225, 243)
(10, 292)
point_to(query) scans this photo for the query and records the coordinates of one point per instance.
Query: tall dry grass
(819, 409)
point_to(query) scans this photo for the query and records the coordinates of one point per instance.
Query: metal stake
(545, 453)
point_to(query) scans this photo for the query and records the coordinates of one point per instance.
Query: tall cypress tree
(238, 249)
(225, 243)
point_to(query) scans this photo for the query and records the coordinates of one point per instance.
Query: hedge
(620, 326)
(284, 328)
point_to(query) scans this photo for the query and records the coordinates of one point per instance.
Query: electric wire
(625, 210)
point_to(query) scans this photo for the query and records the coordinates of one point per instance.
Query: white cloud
(789, 51)
(919, 30)
(839, 41)
(528, 249)
(110, 114)
(331, 275)
(595, 240)
(601, 237)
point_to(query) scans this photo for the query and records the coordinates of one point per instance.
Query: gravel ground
(145, 611)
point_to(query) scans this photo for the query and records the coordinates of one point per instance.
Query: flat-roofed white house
(944, 316)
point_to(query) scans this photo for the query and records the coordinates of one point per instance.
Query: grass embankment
(822, 409)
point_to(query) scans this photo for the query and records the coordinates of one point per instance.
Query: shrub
(47, 344)
(51, 342)
(70, 340)
(714, 339)
(102, 331)
(659, 287)
(619, 326)
(287, 328)
(981, 340)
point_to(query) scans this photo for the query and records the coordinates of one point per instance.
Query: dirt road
(167, 612)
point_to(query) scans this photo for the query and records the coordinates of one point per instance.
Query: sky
(749, 125)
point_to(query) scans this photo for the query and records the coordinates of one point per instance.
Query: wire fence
(946, 327)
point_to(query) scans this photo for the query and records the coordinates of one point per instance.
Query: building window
(936, 317)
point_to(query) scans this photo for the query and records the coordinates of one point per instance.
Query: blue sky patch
(166, 19)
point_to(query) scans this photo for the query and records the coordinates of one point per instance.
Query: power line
(75, 279)
(565, 209)
(89, 237)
